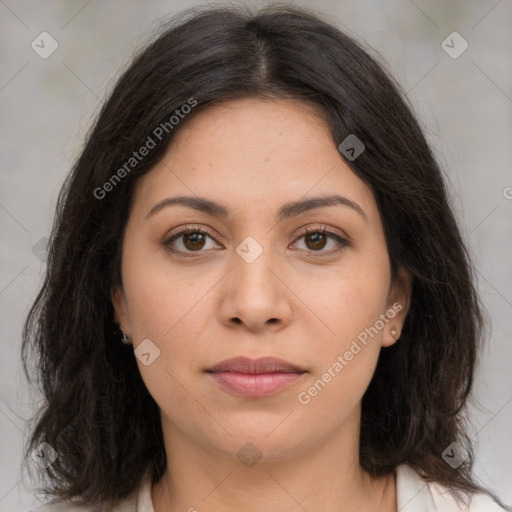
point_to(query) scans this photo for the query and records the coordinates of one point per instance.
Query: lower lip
(255, 385)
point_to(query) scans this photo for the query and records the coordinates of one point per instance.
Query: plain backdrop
(464, 103)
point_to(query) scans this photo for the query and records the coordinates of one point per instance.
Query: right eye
(190, 240)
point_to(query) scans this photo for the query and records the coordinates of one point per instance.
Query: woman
(257, 296)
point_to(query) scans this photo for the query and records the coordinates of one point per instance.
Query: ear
(399, 300)
(120, 305)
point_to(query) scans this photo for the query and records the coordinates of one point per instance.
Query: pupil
(316, 238)
(194, 239)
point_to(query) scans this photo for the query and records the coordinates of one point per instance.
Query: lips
(255, 378)
(254, 366)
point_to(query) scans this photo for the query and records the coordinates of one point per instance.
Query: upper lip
(254, 366)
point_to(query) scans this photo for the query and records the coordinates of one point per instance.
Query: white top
(413, 495)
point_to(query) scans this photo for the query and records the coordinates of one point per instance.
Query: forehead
(256, 130)
(253, 154)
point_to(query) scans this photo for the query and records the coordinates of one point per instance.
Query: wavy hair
(97, 413)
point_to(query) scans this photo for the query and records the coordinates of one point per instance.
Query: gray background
(464, 104)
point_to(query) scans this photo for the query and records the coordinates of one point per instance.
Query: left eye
(316, 239)
(194, 240)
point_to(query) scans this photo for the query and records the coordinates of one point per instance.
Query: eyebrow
(286, 211)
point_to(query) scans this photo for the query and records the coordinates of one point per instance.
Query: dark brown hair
(98, 414)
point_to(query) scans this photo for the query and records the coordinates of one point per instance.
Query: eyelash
(191, 254)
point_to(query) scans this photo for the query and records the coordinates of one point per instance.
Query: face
(250, 281)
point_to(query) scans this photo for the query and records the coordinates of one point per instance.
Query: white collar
(412, 492)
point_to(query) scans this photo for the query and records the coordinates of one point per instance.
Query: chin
(267, 440)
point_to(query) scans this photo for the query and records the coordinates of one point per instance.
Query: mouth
(254, 378)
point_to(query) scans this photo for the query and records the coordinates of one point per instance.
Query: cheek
(162, 300)
(343, 368)
(351, 305)
(351, 300)
(168, 308)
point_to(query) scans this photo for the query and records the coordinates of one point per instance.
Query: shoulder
(139, 502)
(415, 494)
(69, 506)
(477, 502)
(61, 506)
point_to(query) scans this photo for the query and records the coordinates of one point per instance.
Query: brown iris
(317, 238)
(194, 240)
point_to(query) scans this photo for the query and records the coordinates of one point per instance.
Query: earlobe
(398, 306)
(390, 336)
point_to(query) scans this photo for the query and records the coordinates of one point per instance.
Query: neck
(323, 476)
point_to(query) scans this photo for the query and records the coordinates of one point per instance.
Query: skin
(253, 156)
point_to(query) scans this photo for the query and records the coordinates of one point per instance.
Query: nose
(255, 294)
